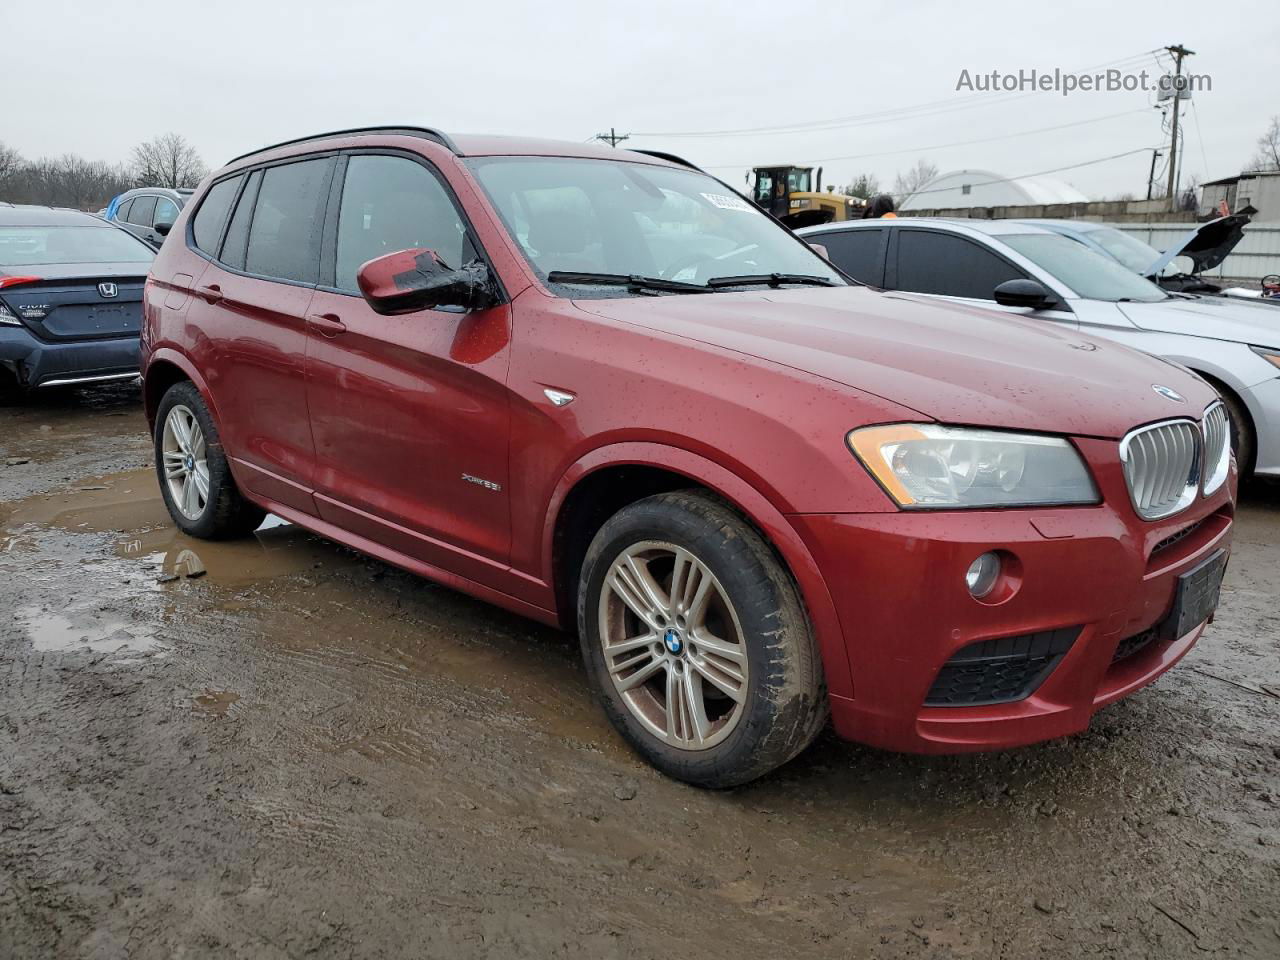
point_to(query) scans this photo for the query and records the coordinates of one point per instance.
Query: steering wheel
(1271, 283)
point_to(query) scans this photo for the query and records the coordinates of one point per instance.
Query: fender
(179, 360)
(761, 511)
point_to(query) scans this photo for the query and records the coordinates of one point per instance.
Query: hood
(948, 362)
(1222, 318)
(1207, 245)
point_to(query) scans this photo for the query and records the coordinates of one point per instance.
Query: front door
(409, 413)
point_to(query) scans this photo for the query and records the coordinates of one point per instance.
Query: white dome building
(986, 188)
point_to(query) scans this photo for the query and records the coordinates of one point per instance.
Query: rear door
(140, 218)
(409, 413)
(859, 252)
(262, 232)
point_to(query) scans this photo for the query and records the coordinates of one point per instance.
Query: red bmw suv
(599, 388)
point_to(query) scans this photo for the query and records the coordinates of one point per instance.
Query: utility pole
(1151, 177)
(1178, 51)
(613, 138)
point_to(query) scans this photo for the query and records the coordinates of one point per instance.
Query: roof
(1246, 175)
(180, 193)
(1020, 190)
(24, 215)
(467, 145)
(993, 228)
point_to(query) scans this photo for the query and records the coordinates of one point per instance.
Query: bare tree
(167, 161)
(1267, 156)
(911, 180)
(10, 162)
(864, 185)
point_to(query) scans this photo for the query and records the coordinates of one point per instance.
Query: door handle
(211, 293)
(327, 324)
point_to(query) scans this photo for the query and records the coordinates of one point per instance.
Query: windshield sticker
(727, 202)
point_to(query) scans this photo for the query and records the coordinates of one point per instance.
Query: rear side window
(390, 204)
(166, 211)
(930, 262)
(122, 211)
(288, 221)
(238, 232)
(141, 211)
(206, 226)
(856, 252)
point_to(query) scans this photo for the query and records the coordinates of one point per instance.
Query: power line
(906, 112)
(954, 143)
(613, 138)
(1042, 173)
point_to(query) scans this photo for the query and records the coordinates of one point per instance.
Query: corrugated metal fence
(1257, 254)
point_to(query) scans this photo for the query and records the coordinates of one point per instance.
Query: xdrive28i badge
(1168, 393)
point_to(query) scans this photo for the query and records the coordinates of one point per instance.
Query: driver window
(933, 262)
(391, 204)
(764, 187)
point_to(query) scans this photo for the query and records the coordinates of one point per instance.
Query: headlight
(925, 466)
(1269, 354)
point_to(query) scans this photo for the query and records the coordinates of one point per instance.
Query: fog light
(982, 575)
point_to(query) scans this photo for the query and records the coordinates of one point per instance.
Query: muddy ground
(278, 748)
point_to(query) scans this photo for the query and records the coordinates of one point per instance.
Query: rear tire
(711, 671)
(195, 478)
(1242, 439)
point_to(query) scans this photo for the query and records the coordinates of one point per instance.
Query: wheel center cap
(189, 462)
(673, 642)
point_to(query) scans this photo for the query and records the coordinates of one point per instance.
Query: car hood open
(949, 362)
(1221, 318)
(1207, 245)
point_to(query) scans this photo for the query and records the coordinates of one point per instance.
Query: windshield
(1128, 250)
(632, 219)
(1090, 275)
(31, 246)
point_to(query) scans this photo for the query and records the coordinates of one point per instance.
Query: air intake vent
(1162, 467)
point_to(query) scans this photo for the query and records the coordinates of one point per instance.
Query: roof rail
(426, 133)
(670, 157)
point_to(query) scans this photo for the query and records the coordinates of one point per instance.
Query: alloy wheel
(673, 645)
(186, 464)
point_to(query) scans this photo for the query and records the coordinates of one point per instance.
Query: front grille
(1217, 447)
(1000, 670)
(1162, 467)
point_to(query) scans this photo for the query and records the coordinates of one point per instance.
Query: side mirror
(163, 228)
(820, 250)
(418, 279)
(1024, 293)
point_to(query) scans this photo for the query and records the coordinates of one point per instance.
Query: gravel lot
(278, 748)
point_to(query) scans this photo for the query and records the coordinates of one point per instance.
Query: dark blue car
(70, 298)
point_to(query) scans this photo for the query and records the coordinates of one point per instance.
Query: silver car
(1034, 272)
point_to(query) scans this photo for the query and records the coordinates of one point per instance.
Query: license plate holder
(1195, 598)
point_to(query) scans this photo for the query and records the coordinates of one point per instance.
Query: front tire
(697, 643)
(195, 478)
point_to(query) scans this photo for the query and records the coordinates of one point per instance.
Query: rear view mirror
(820, 250)
(1024, 293)
(418, 279)
(163, 228)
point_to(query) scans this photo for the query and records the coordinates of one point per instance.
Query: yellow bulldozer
(794, 195)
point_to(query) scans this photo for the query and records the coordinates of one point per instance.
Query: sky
(856, 87)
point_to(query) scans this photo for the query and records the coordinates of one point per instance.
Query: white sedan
(1034, 272)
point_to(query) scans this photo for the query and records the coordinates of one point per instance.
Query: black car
(70, 298)
(148, 212)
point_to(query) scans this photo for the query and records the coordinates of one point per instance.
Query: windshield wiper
(635, 284)
(772, 279)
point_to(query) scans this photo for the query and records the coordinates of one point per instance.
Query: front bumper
(35, 363)
(1263, 401)
(1094, 577)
